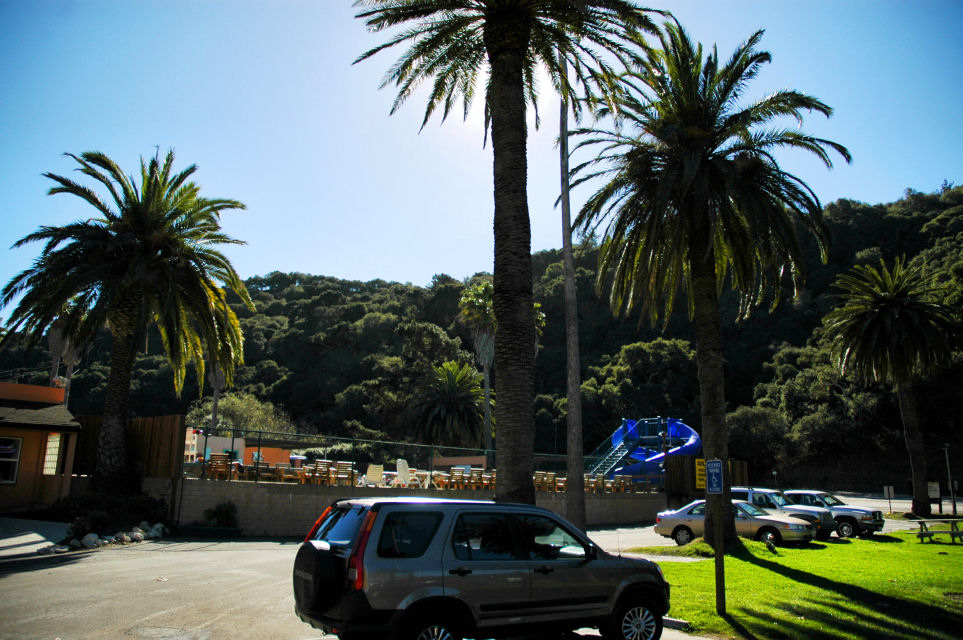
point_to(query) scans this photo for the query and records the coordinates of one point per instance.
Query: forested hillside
(349, 358)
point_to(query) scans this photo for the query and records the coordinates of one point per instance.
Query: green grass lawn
(889, 586)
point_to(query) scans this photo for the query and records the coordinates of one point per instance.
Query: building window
(9, 459)
(51, 459)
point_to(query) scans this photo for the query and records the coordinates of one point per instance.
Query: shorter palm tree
(451, 408)
(891, 327)
(150, 258)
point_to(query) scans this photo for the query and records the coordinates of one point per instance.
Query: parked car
(773, 501)
(850, 521)
(688, 523)
(435, 569)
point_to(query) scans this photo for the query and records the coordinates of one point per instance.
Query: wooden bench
(927, 532)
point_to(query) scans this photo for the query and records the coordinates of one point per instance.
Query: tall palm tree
(890, 326)
(450, 410)
(693, 194)
(454, 43)
(150, 258)
(574, 445)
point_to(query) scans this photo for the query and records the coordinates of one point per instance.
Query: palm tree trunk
(711, 373)
(55, 343)
(114, 472)
(506, 42)
(914, 446)
(574, 467)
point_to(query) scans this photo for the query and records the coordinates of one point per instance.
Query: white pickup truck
(850, 521)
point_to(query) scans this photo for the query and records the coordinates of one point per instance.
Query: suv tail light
(356, 559)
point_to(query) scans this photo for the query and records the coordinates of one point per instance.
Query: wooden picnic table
(927, 532)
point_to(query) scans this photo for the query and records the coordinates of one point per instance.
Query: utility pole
(949, 476)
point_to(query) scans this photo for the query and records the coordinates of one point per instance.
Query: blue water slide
(645, 460)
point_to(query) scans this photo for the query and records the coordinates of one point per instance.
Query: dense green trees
(150, 258)
(241, 412)
(789, 407)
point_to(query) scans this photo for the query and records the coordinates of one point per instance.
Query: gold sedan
(688, 523)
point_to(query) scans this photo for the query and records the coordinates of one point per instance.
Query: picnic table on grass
(928, 529)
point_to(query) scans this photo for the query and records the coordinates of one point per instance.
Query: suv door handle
(460, 571)
(544, 570)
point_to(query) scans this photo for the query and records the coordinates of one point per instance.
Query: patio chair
(475, 481)
(219, 466)
(320, 473)
(404, 477)
(457, 480)
(375, 476)
(539, 480)
(344, 473)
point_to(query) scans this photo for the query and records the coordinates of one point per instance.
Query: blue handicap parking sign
(714, 476)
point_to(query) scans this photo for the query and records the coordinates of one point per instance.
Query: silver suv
(850, 521)
(774, 501)
(431, 569)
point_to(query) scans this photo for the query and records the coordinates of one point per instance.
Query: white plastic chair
(404, 477)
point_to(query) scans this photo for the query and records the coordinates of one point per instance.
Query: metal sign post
(714, 487)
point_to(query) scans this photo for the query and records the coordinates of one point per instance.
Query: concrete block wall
(273, 509)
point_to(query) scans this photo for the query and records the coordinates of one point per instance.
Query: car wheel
(766, 534)
(846, 528)
(317, 577)
(682, 535)
(633, 619)
(431, 629)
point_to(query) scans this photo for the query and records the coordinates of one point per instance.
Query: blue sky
(263, 97)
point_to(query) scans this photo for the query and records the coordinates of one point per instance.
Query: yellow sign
(700, 473)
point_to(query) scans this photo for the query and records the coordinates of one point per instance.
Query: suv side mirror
(591, 552)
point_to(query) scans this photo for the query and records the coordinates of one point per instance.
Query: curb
(675, 623)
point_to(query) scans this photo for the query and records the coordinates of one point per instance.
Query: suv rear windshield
(341, 526)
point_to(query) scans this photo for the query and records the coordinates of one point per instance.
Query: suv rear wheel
(428, 628)
(633, 619)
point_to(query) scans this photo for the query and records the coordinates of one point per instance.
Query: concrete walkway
(22, 538)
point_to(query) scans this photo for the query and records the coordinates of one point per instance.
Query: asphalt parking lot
(178, 590)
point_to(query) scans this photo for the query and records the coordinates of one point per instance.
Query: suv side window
(740, 495)
(407, 534)
(483, 537)
(761, 500)
(543, 539)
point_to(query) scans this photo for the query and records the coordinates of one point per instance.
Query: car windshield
(831, 500)
(750, 509)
